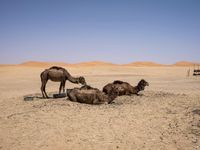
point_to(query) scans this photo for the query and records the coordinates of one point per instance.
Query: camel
(124, 88)
(58, 74)
(89, 95)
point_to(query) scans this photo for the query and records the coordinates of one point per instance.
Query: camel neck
(111, 98)
(136, 89)
(72, 79)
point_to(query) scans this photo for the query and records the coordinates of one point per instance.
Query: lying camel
(89, 95)
(124, 88)
(58, 74)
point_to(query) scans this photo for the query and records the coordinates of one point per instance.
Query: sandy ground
(165, 117)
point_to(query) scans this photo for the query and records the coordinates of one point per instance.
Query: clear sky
(118, 31)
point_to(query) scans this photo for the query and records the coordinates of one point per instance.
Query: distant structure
(188, 72)
(196, 70)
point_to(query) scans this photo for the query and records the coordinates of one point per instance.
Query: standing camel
(58, 74)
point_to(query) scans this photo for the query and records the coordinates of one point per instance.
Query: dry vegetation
(167, 116)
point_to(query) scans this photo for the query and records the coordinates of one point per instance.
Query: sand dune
(95, 63)
(48, 64)
(101, 63)
(184, 64)
(144, 64)
(7, 65)
(43, 64)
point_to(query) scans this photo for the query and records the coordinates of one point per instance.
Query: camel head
(141, 85)
(81, 80)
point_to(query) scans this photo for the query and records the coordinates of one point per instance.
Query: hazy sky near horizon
(118, 31)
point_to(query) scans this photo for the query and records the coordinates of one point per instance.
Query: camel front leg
(64, 86)
(61, 84)
(97, 102)
(72, 97)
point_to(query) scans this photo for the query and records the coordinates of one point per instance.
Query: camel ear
(141, 87)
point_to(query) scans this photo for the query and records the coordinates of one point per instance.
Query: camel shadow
(37, 96)
(31, 98)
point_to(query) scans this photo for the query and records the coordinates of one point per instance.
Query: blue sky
(118, 31)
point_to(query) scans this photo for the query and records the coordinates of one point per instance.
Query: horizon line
(105, 62)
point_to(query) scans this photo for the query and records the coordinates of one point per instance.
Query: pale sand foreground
(161, 119)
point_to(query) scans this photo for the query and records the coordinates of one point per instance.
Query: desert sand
(165, 117)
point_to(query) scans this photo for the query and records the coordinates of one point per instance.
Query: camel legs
(97, 102)
(61, 85)
(45, 92)
(43, 89)
(72, 97)
(110, 101)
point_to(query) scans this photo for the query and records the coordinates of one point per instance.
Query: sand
(165, 117)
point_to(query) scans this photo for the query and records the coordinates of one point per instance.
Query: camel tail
(41, 75)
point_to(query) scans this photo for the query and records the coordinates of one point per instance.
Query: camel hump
(118, 82)
(87, 87)
(57, 68)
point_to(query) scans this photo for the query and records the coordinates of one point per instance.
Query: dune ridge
(144, 64)
(95, 63)
(42, 64)
(102, 63)
(185, 64)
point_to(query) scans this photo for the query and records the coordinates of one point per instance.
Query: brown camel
(89, 95)
(124, 88)
(58, 74)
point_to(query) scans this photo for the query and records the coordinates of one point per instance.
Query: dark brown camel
(89, 95)
(58, 74)
(124, 88)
